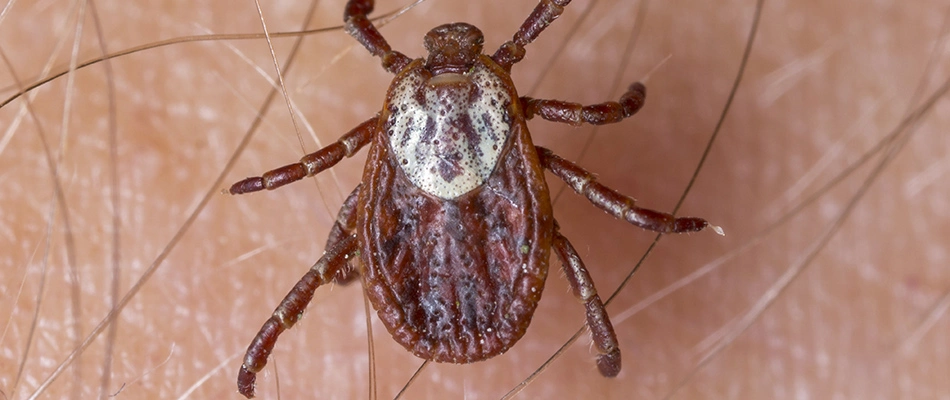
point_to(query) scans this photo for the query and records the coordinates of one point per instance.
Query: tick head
(453, 48)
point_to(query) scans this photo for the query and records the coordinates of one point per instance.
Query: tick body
(456, 220)
(451, 228)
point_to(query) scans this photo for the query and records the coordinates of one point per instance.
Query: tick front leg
(596, 114)
(362, 29)
(601, 330)
(614, 203)
(344, 227)
(311, 164)
(290, 310)
(543, 15)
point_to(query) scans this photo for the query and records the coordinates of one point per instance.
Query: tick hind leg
(601, 330)
(614, 203)
(345, 226)
(291, 308)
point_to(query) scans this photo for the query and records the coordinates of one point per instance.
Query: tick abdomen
(455, 280)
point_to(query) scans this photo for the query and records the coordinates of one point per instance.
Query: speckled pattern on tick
(451, 228)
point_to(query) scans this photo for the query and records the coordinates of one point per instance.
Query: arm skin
(815, 78)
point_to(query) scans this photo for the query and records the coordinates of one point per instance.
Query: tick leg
(596, 114)
(310, 164)
(362, 29)
(601, 330)
(344, 227)
(290, 310)
(614, 203)
(543, 15)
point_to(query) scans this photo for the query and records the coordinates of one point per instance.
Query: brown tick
(452, 223)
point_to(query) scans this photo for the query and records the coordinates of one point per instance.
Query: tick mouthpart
(453, 48)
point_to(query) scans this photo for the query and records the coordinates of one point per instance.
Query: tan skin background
(825, 83)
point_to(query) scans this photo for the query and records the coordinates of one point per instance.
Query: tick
(451, 228)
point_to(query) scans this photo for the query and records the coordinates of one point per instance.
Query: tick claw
(689, 224)
(248, 185)
(609, 364)
(247, 381)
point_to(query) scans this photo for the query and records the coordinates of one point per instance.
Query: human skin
(825, 83)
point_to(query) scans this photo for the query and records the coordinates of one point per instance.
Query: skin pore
(825, 84)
